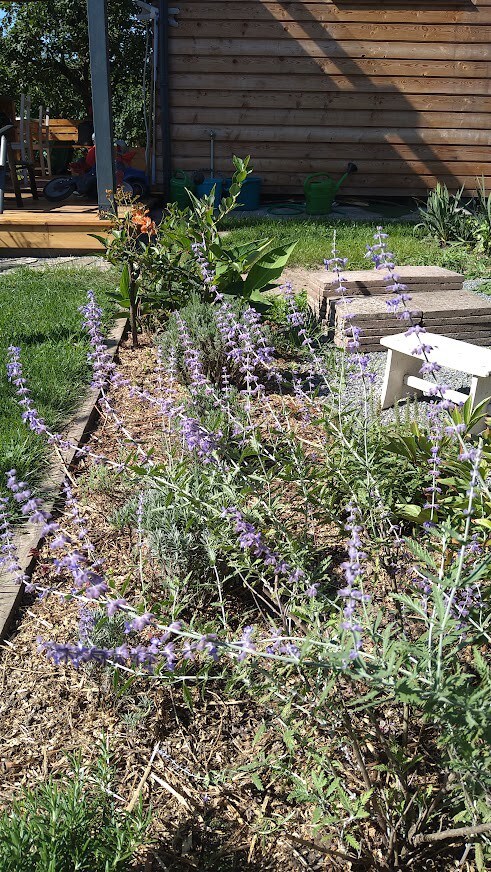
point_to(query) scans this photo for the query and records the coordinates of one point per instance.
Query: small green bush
(446, 217)
(200, 320)
(75, 826)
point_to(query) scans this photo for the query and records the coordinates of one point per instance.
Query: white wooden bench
(402, 373)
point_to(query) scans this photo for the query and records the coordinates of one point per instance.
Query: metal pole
(164, 93)
(101, 103)
(3, 168)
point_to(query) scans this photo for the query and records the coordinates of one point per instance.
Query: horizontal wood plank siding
(403, 91)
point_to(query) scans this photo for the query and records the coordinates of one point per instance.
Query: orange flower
(148, 226)
(138, 217)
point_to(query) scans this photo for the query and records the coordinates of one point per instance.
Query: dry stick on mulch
(135, 797)
(182, 800)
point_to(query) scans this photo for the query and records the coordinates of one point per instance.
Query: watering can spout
(351, 168)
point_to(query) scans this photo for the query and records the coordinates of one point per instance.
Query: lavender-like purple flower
(9, 557)
(31, 507)
(280, 645)
(30, 414)
(86, 623)
(336, 265)
(200, 440)
(384, 259)
(146, 656)
(115, 605)
(192, 359)
(246, 644)
(139, 623)
(103, 367)
(15, 375)
(434, 462)
(352, 593)
(467, 599)
(353, 331)
(245, 343)
(251, 539)
(246, 350)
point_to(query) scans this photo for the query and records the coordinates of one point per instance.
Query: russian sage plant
(363, 637)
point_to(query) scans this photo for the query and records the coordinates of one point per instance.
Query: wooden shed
(401, 88)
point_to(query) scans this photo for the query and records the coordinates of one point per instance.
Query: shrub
(451, 221)
(200, 322)
(446, 217)
(72, 825)
(160, 267)
(482, 220)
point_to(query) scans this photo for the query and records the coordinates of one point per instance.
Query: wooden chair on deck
(7, 159)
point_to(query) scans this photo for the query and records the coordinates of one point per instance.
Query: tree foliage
(45, 53)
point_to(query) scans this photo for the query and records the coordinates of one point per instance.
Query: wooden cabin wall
(402, 89)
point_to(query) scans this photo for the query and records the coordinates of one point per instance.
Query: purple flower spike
(114, 606)
(141, 621)
(353, 594)
(246, 644)
(103, 368)
(9, 557)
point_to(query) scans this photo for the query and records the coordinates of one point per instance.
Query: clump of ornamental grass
(371, 660)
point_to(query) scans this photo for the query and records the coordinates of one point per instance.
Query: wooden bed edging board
(28, 538)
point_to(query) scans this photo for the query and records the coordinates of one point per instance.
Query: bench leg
(480, 390)
(32, 182)
(398, 366)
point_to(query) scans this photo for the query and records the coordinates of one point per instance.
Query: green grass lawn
(315, 242)
(39, 312)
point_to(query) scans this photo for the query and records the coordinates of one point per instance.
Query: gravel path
(7, 264)
(415, 408)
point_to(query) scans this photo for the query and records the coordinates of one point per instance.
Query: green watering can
(320, 191)
(180, 184)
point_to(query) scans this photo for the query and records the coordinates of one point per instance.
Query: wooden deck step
(40, 227)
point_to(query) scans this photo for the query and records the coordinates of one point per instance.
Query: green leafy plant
(416, 447)
(78, 825)
(160, 264)
(249, 270)
(482, 219)
(445, 216)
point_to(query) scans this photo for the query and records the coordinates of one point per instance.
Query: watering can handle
(308, 180)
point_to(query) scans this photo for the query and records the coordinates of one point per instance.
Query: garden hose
(287, 208)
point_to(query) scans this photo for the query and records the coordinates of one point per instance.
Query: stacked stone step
(438, 302)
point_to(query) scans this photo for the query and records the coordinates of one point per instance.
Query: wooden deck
(44, 227)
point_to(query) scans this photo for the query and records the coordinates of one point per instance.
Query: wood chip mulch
(160, 745)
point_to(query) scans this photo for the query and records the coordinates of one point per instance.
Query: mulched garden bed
(160, 745)
(191, 758)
